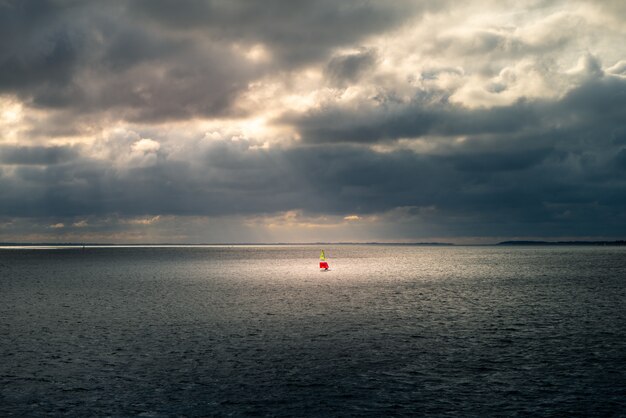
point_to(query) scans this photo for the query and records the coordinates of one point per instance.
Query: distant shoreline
(562, 243)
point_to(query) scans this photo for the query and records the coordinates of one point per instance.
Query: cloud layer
(297, 121)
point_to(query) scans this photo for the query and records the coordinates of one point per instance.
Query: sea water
(259, 330)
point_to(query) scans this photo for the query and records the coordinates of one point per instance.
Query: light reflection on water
(260, 330)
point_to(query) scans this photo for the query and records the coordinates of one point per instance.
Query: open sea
(261, 331)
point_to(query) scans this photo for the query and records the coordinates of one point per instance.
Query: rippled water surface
(390, 330)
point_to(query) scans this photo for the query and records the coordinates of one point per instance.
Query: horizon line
(417, 243)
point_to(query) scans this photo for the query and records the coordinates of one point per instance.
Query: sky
(225, 121)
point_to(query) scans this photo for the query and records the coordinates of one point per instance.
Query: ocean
(261, 331)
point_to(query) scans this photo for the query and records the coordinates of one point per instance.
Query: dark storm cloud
(549, 166)
(602, 98)
(90, 57)
(347, 68)
(35, 46)
(493, 162)
(426, 114)
(296, 32)
(203, 84)
(221, 178)
(559, 172)
(569, 188)
(156, 60)
(36, 155)
(620, 159)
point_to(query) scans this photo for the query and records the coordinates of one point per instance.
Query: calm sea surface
(389, 331)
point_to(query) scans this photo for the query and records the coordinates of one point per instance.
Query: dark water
(390, 331)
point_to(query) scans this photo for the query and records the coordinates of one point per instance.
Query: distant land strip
(620, 242)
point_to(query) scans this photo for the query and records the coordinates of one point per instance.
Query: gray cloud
(347, 68)
(295, 31)
(412, 139)
(495, 192)
(429, 113)
(36, 155)
(493, 162)
(89, 57)
(155, 60)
